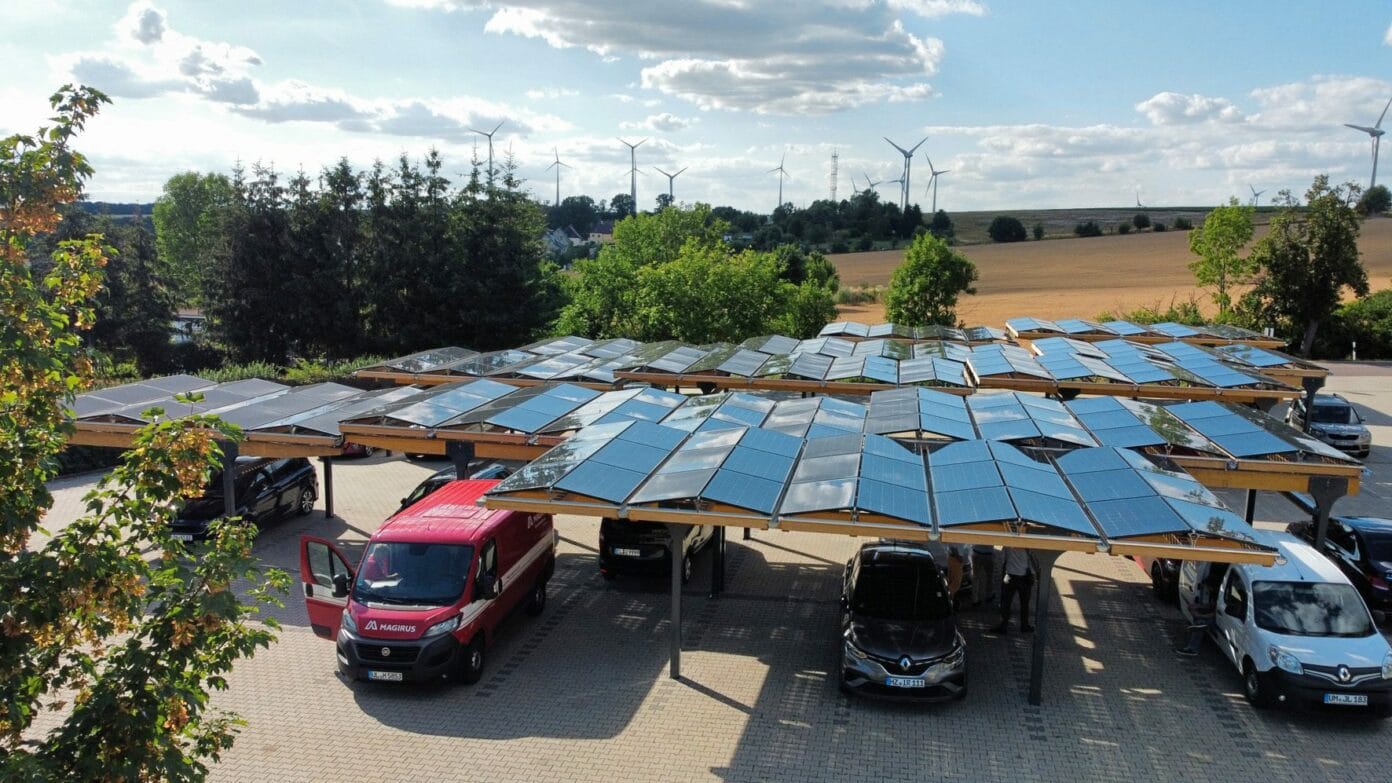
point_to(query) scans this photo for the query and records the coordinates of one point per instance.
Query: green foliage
(1157, 227)
(1375, 201)
(925, 288)
(302, 373)
(1366, 321)
(1088, 229)
(1038, 231)
(110, 621)
(941, 226)
(1218, 244)
(1183, 224)
(1307, 259)
(1123, 228)
(1177, 311)
(861, 294)
(1141, 221)
(1005, 228)
(187, 219)
(706, 294)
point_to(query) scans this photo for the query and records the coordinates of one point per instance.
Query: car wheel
(306, 503)
(471, 665)
(1157, 581)
(368, 451)
(686, 568)
(1256, 686)
(537, 602)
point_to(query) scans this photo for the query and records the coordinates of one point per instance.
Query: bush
(1141, 221)
(1038, 230)
(1375, 201)
(1367, 321)
(1088, 229)
(1180, 312)
(1157, 226)
(925, 288)
(1183, 224)
(861, 294)
(840, 247)
(1123, 228)
(240, 372)
(1007, 229)
(865, 243)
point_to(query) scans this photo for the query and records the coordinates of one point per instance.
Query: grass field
(1063, 278)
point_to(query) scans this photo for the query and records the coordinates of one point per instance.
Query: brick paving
(582, 693)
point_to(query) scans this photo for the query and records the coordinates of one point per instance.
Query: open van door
(327, 577)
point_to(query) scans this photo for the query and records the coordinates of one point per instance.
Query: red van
(431, 587)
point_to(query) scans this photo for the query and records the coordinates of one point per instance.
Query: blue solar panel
(713, 423)
(1136, 517)
(1043, 481)
(1004, 452)
(1227, 424)
(1252, 444)
(804, 496)
(522, 420)
(1018, 429)
(743, 490)
(1063, 513)
(951, 477)
(966, 451)
(601, 481)
(1102, 420)
(1127, 437)
(1213, 521)
(772, 442)
(683, 485)
(1089, 460)
(693, 459)
(631, 456)
(970, 506)
(823, 431)
(1110, 485)
(893, 501)
(885, 447)
(904, 474)
(758, 463)
(653, 434)
(745, 416)
(842, 444)
(1094, 405)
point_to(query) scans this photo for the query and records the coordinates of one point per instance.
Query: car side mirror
(340, 585)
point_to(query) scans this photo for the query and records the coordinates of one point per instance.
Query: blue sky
(1028, 104)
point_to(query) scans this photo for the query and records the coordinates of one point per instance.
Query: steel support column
(717, 580)
(748, 534)
(1044, 579)
(1311, 385)
(229, 478)
(1250, 512)
(328, 486)
(676, 533)
(1325, 490)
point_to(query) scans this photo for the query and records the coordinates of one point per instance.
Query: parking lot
(582, 692)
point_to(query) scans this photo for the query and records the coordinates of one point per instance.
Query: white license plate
(625, 552)
(905, 682)
(385, 676)
(1357, 699)
(182, 536)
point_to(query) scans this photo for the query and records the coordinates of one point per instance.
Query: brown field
(1064, 278)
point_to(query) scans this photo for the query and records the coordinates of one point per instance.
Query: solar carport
(1102, 500)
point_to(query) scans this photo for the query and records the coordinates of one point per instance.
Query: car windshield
(1334, 414)
(426, 487)
(1379, 548)
(402, 574)
(1310, 609)
(901, 589)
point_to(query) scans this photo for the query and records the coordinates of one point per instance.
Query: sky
(1023, 104)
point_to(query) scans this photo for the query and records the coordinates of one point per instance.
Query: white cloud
(1387, 37)
(547, 93)
(144, 22)
(660, 123)
(812, 57)
(1172, 108)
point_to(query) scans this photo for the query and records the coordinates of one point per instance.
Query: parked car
(1335, 422)
(1164, 576)
(1362, 548)
(351, 449)
(645, 548)
(432, 587)
(445, 475)
(899, 632)
(266, 490)
(1297, 631)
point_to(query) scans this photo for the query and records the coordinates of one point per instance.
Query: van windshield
(901, 589)
(405, 574)
(1310, 609)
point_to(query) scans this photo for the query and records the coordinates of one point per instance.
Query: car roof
(1297, 562)
(1368, 524)
(1330, 399)
(872, 550)
(450, 514)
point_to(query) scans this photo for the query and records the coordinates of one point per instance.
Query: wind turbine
(1375, 133)
(908, 163)
(633, 172)
(490, 144)
(1138, 200)
(558, 165)
(871, 184)
(670, 177)
(781, 174)
(1256, 196)
(933, 181)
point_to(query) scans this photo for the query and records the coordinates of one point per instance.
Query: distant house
(186, 326)
(557, 243)
(603, 232)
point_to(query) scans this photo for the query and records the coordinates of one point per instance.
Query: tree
(135, 309)
(941, 226)
(1038, 231)
(1005, 228)
(924, 289)
(1088, 229)
(188, 228)
(664, 201)
(1141, 221)
(706, 294)
(1375, 201)
(1307, 260)
(124, 645)
(1218, 243)
(579, 212)
(621, 206)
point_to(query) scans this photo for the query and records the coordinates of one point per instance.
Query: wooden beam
(1268, 476)
(121, 436)
(1183, 552)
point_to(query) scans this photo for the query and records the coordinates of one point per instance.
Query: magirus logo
(372, 625)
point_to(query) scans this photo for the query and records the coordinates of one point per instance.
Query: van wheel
(471, 665)
(1256, 686)
(306, 503)
(537, 603)
(686, 568)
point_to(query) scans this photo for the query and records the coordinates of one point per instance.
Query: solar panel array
(1081, 326)
(1119, 360)
(858, 330)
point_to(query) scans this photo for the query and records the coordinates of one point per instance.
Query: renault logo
(386, 652)
(1344, 674)
(905, 662)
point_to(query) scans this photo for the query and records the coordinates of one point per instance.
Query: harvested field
(1062, 278)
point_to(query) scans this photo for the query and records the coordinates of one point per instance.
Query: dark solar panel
(1051, 510)
(601, 481)
(971, 506)
(1110, 485)
(1136, 517)
(743, 490)
(680, 485)
(893, 501)
(758, 463)
(891, 471)
(969, 475)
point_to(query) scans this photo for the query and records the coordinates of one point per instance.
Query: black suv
(641, 547)
(1362, 548)
(266, 490)
(899, 634)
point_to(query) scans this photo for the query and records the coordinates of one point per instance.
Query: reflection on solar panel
(1021, 417)
(1005, 360)
(1236, 434)
(771, 344)
(816, 417)
(426, 361)
(867, 474)
(917, 410)
(976, 482)
(434, 407)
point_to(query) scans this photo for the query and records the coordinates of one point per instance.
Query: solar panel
(1136, 517)
(743, 490)
(959, 453)
(894, 501)
(758, 463)
(678, 485)
(958, 476)
(1051, 510)
(825, 468)
(973, 506)
(601, 481)
(630, 456)
(805, 496)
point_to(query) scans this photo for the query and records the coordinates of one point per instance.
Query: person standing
(1018, 580)
(1203, 610)
(984, 582)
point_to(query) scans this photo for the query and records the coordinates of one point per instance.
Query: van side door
(1233, 610)
(488, 571)
(321, 565)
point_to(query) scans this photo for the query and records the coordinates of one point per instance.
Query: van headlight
(1387, 666)
(439, 628)
(348, 624)
(1287, 662)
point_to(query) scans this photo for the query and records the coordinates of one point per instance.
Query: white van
(1298, 631)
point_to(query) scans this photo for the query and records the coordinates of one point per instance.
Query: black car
(899, 634)
(267, 489)
(445, 475)
(1362, 548)
(644, 548)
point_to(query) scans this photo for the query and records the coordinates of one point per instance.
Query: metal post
(229, 478)
(1311, 385)
(1251, 510)
(676, 534)
(717, 580)
(1044, 576)
(1325, 490)
(328, 486)
(748, 534)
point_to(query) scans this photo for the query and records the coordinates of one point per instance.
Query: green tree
(188, 227)
(1038, 231)
(1141, 221)
(925, 288)
(135, 309)
(941, 226)
(1307, 259)
(579, 212)
(622, 206)
(1005, 228)
(1218, 243)
(706, 294)
(1375, 201)
(109, 622)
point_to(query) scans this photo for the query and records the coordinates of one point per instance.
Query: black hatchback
(899, 634)
(1362, 548)
(645, 548)
(266, 489)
